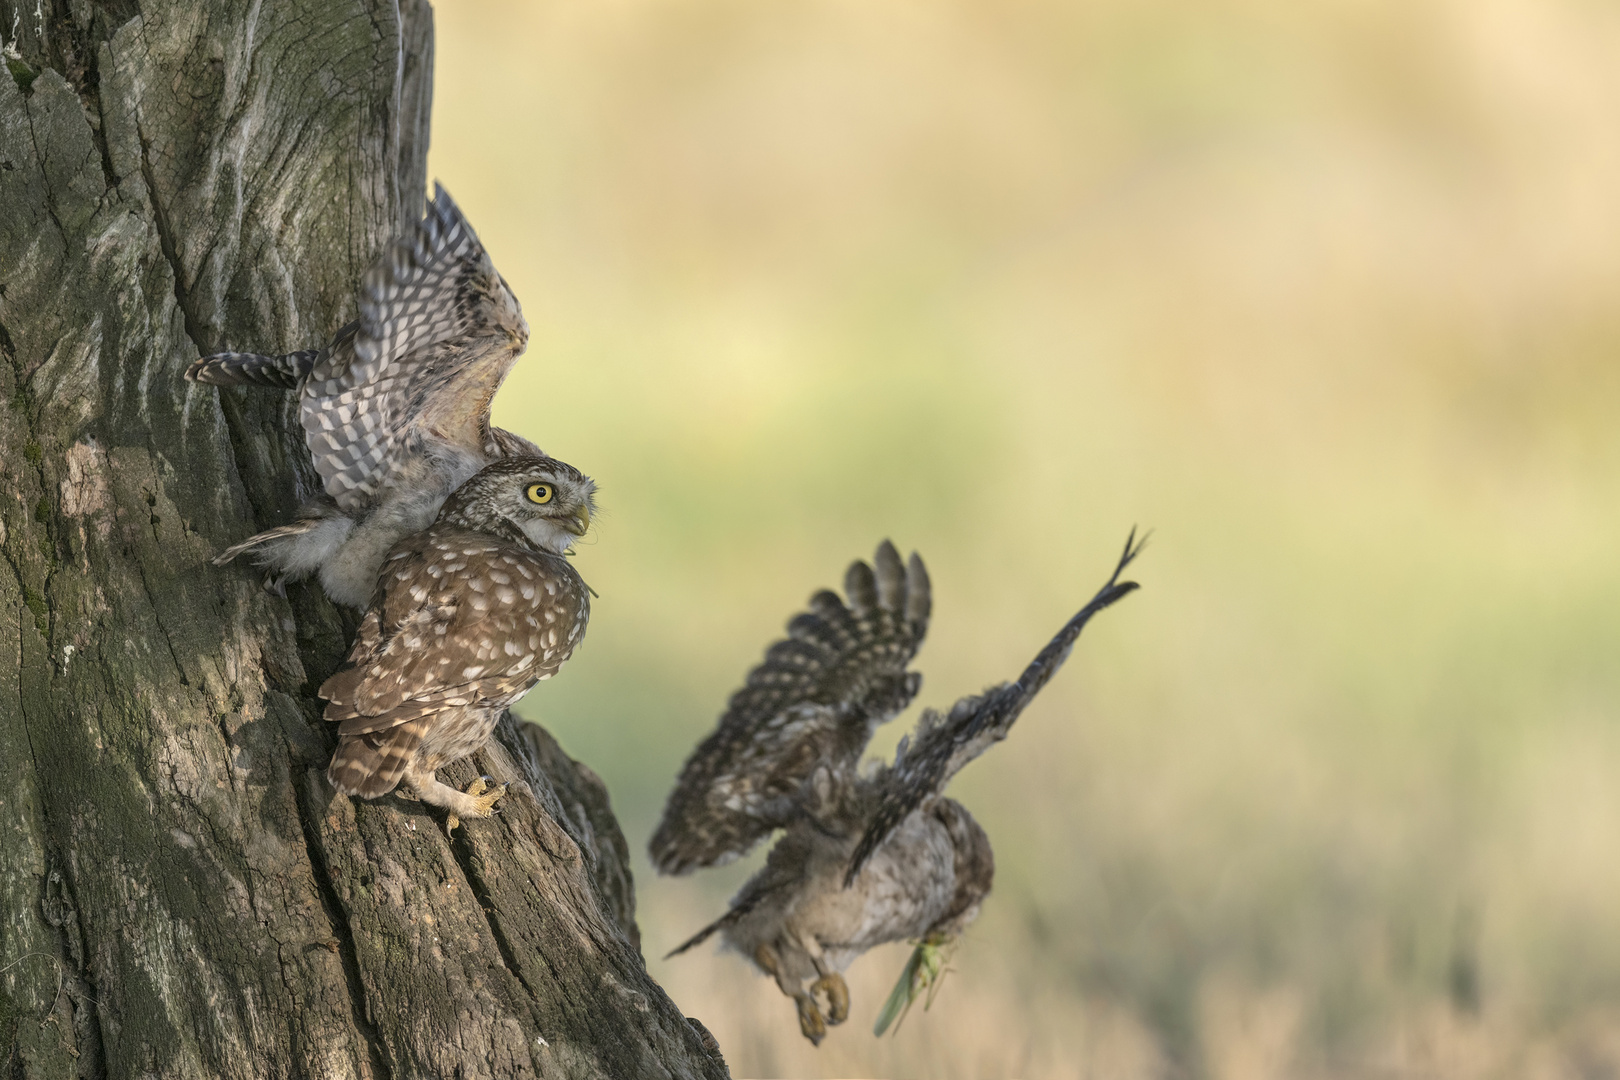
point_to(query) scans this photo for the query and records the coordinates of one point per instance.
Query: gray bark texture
(181, 892)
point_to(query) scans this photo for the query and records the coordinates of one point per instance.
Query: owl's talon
(811, 1022)
(479, 807)
(837, 991)
(484, 804)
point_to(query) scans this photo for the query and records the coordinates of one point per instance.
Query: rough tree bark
(181, 893)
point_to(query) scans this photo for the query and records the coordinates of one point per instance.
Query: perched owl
(395, 410)
(466, 617)
(866, 857)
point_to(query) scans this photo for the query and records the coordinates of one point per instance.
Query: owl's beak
(582, 520)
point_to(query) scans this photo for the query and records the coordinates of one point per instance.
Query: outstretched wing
(926, 760)
(437, 333)
(811, 705)
(255, 369)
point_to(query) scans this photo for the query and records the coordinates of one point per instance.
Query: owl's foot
(811, 1022)
(473, 802)
(832, 984)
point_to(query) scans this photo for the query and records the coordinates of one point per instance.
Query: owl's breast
(903, 888)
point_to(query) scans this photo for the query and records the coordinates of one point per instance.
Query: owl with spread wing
(865, 856)
(395, 410)
(466, 617)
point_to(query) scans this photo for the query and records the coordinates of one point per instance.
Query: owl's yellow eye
(539, 493)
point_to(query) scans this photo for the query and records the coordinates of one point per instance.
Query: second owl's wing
(255, 369)
(927, 759)
(450, 625)
(812, 703)
(437, 333)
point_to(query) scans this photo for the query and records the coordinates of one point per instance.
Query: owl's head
(536, 500)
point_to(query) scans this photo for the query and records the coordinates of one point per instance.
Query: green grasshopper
(924, 971)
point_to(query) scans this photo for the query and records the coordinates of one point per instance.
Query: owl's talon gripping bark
(486, 803)
(482, 805)
(837, 991)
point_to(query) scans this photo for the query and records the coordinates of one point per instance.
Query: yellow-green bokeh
(1326, 294)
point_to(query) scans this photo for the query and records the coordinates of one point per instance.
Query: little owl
(466, 617)
(866, 857)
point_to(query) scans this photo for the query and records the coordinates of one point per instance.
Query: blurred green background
(1326, 294)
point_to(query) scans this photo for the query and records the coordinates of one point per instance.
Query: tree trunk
(182, 894)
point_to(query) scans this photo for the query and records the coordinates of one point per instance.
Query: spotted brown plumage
(865, 858)
(395, 409)
(466, 617)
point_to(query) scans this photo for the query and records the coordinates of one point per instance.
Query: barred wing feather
(809, 708)
(437, 333)
(927, 759)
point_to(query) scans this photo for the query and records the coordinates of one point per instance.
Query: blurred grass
(1325, 294)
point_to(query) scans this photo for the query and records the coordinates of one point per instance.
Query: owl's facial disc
(554, 512)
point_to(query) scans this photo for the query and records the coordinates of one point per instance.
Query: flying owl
(467, 615)
(395, 409)
(866, 857)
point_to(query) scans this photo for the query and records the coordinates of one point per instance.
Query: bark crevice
(33, 136)
(343, 937)
(171, 252)
(61, 912)
(33, 455)
(461, 848)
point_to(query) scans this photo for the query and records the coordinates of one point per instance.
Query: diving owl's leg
(830, 982)
(472, 803)
(811, 1022)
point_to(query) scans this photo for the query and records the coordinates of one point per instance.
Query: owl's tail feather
(270, 538)
(371, 765)
(740, 907)
(255, 369)
(298, 548)
(704, 934)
